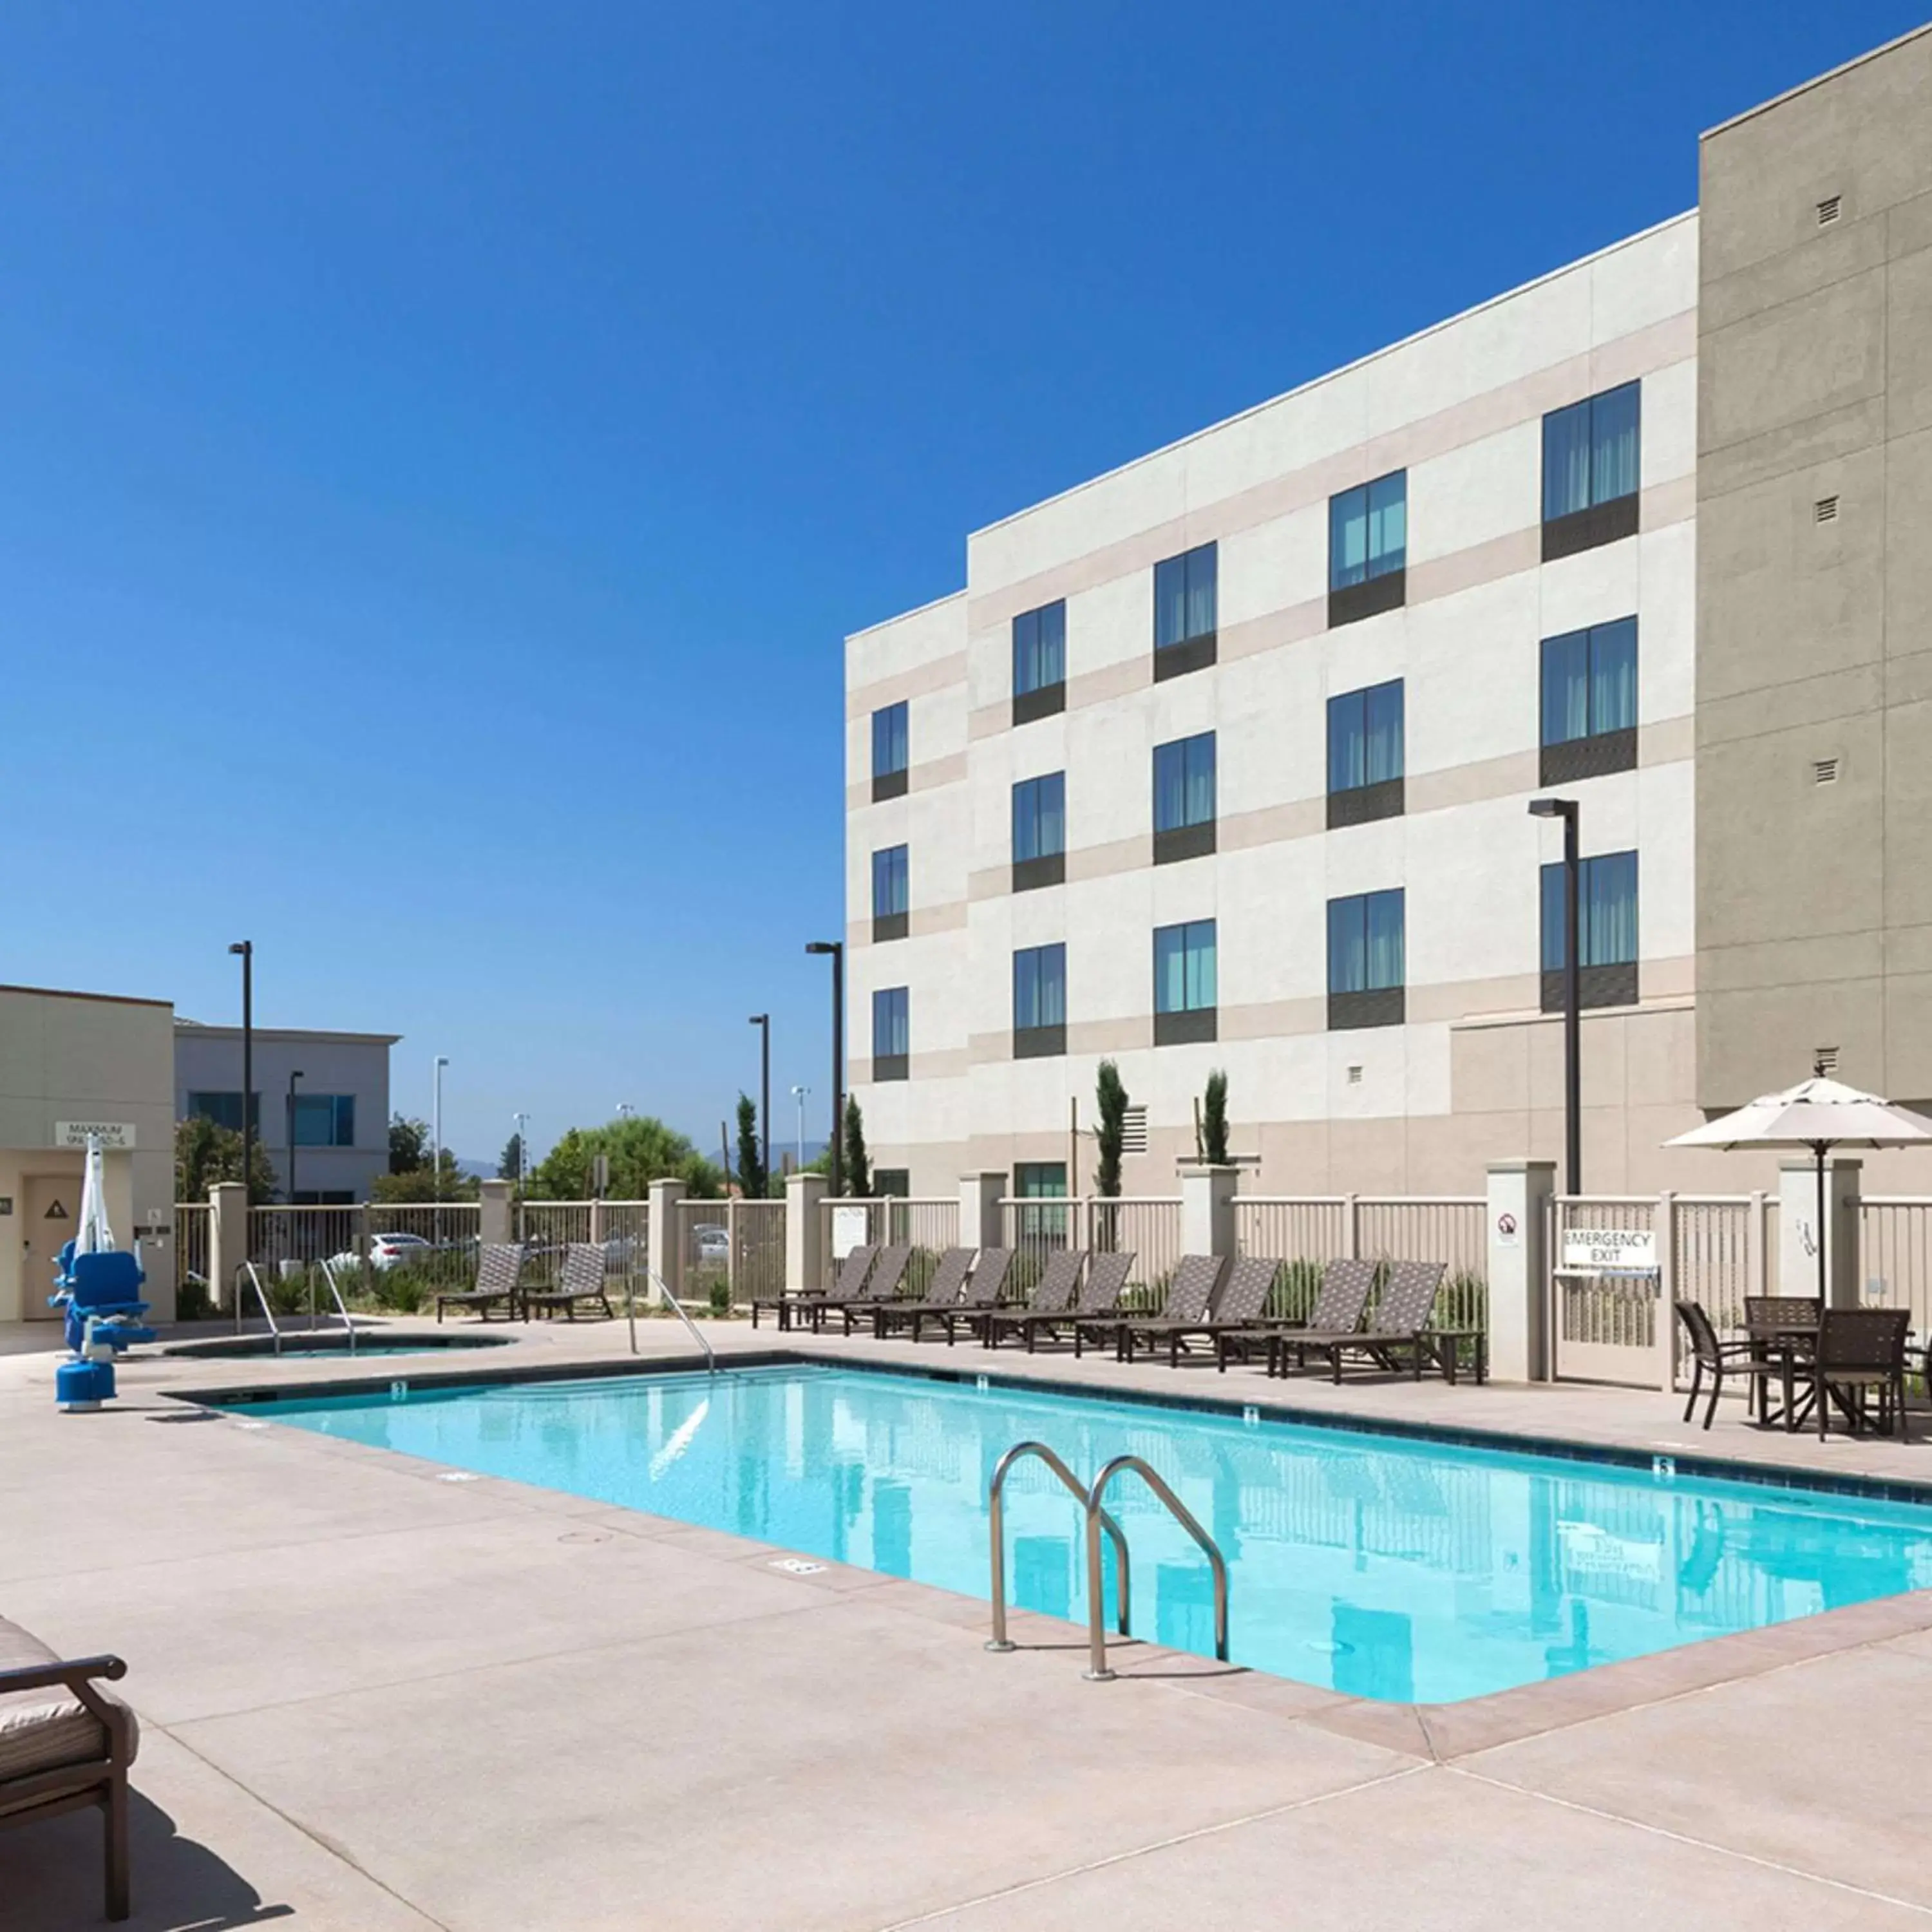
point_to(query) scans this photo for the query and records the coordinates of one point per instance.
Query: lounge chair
(1190, 1290)
(942, 1293)
(1052, 1298)
(65, 1744)
(498, 1268)
(808, 1305)
(881, 1285)
(1346, 1286)
(1239, 1304)
(581, 1279)
(1099, 1301)
(1400, 1324)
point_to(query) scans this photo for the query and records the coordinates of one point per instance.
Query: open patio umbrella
(1818, 1114)
(91, 1234)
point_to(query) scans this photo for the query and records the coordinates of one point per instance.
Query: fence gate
(1606, 1321)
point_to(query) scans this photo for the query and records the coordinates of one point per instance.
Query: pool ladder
(268, 1314)
(1098, 1520)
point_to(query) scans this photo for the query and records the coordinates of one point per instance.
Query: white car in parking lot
(711, 1243)
(386, 1251)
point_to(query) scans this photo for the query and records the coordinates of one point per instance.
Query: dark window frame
(1193, 1022)
(1593, 752)
(1378, 798)
(1047, 697)
(890, 780)
(1188, 838)
(895, 1065)
(1601, 982)
(895, 922)
(1193, 650)
(1384, 584)
(1046, 1039)
(1352, 1008)
(1600, 520)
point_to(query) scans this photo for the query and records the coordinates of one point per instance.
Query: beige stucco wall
(71, 1056)
(1814, 640)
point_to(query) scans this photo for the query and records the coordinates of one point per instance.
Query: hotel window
(1607, 927)
(1184, 612)
(1590, 471)
(324, 1120)
(1365, 779)
(889, 752)
(889, 893)
(1368, 548)
(892, 1034)
(1184, 798)
(1039, 831)
(1589, 702)
(224, 1109)
(1039, 1002)
(1040, 662)
(1183, 983)
(1365, 960)
(891, 1183)
(1041, 1180)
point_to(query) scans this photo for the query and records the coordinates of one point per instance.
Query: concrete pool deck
(372, 1698)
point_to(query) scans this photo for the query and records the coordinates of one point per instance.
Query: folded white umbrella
(1817, 1114)
(91, 1234)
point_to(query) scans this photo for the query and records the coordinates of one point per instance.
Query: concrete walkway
(372, 1698)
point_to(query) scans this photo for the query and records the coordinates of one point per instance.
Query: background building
(340, 1119)
(1224, 758)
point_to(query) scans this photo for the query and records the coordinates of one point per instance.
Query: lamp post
(292, 1078)
(522, 1126)
(835, 949)
(1566, 809)
(244, 950)
(798, 1093)
(436, 1066)
(762, 1022)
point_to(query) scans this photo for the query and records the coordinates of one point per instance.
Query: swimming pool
(1393, 1567)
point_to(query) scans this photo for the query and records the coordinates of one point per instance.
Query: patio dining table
(1787, 1341)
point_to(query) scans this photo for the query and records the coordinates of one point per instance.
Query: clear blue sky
(443, 445)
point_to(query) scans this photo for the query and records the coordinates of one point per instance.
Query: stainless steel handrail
(996, 1497)
(261, 1295)
(341, 1306)
(671, 1302)
(1097, 1671)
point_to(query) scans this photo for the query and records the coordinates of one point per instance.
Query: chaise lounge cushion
(43, 1730)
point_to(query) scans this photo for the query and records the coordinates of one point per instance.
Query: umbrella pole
(1824, 1296)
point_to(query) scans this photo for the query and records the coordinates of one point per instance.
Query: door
(52, 1206)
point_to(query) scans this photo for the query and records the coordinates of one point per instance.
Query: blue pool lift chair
(107, 1287)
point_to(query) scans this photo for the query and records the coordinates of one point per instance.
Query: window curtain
(889, 881)
(1348, 751)
(1388, 523)
(1613, 443)
(1199, 801)
(1613, 677)
(1026, 652)
(1170, 970)
(1040, 987)
(888, 739)
(1566, 461)
(1202, 990)
(1170, 602)
(1382, 734)
(1348, 955)
(1184, 783)
(1609, 909)
(1566, 688)
(1202, 571)
(1039, 648)
(1552, 919)
(890, 1013)
(1050, 815)
(1383, 944)
(1347, 538)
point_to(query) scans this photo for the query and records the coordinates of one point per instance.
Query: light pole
(798, 1093)
(245, 949)
(522, 1126)
(625, 1110)
(1566, 809)
(835, 949)
(292, 1078)
(436, 1066)
(762, 1022)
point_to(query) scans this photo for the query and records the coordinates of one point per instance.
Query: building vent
(1825, 1059)
(1824, 771)
(1354, 1076)
(1825, 510)
(1133, 1130)
(1828, 210)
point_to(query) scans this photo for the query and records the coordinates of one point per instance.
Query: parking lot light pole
(292, 1078)
(798, 1093)
(245, 948)
(1566, 809)
(762, 1022)
(835, 949)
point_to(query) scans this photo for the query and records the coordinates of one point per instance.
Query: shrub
(191, 1300)
(721, 1297)
(403, 1290)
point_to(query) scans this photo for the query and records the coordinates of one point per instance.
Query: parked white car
(713, 1243)
(386, 1251)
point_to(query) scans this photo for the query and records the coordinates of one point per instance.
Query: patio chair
(1099, 1301)
(65, 1744)
(1190, 1290)
(1710, 1356)
(803, 1305)
(981, 1297)
(1399, 1325)
(498, 1269)
(581, 1279)
(1860, 1350)
(942, 1296)
(1052, 1300)
(1346, 1286)
(1242, 1297)
(882, 1285)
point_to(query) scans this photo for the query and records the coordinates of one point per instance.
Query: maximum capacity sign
(1625, 1250)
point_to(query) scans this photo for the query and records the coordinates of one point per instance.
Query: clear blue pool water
(1388, 1566)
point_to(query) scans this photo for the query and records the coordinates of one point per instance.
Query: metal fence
(929, 1226)
(545, 1225)
(757, 1231)
(1895, 1254)
(1146, 1227)
(1306, 1232)
(193, 1221)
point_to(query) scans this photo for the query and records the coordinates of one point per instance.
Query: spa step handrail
(671, 1302)
(341, 1306)
(996, 1511)
(261, 1295)
(1097, 1671)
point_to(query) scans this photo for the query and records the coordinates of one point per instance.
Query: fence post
(803, 1274)
(492, 1214)
(368, 1267)
(664, 1250)
(599, 1222)
(1207, 1210)
(734, 1235)
(1351, 1228)
(227, 1239)
(1798, 1233)
(979, 1196)
(1665, 1336)
(1757, 1261)
(1520, 1193)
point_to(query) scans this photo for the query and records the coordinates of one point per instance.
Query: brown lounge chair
(1099, 1300)
(881, 1285)
(1239, 1305)
(942, 1295)
(809, 1305)
(498, 1268)
(581, 1279)
(1400, 1324)
(65, 1744)
(1346, 1286)
(1052, 1298)
(1190, 1291)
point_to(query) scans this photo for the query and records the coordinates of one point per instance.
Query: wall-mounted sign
(1622, 1249)
(110, 1133)
(849, 1229)
(6, 1203)
(1508, 1234)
